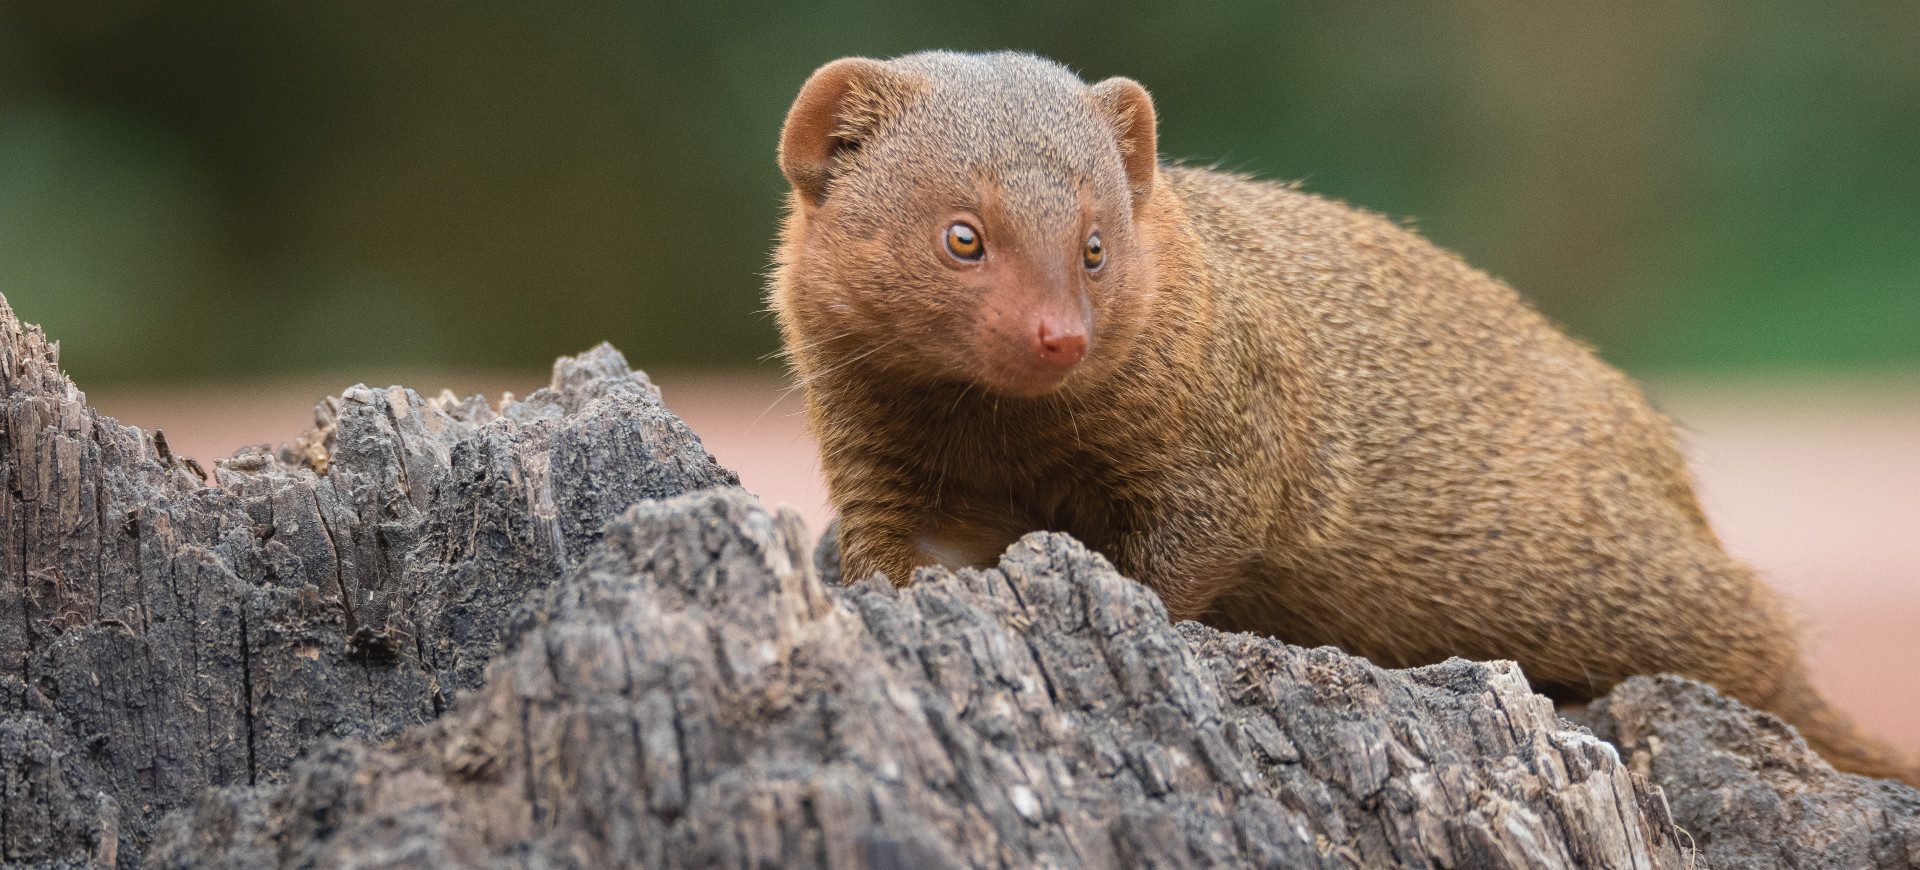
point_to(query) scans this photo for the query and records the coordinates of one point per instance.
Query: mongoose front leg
(896, 543)
(876, 539)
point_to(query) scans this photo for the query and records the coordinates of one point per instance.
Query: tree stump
(434, 633)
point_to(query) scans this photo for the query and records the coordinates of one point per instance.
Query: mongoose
(1284, 414)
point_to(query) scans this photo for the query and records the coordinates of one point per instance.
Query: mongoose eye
(1094, 254)
(963, 242)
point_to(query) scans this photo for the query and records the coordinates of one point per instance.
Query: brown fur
(1294, 417)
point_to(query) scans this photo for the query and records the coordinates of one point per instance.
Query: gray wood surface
(160, 633)
(413, 638)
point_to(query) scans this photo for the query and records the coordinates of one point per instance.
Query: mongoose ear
(840, 105)
(1129, 109)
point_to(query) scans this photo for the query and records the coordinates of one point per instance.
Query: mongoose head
(965, 218)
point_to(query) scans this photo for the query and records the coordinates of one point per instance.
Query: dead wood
(1748, 790)
(159, 635)
(412, 639)
(693, 696)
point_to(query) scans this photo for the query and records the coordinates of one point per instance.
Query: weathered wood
(159, 635)
(695, 696)
(264, 672)
(1747, 788)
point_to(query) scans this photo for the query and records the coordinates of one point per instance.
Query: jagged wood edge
(160, 635)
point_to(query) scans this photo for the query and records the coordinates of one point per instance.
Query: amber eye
(1094, 254)
(963, 242)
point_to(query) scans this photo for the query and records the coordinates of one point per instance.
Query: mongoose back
(1284, 414)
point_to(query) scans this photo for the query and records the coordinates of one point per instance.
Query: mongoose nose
(1058, 345)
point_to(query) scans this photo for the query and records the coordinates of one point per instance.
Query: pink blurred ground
(1817, 482)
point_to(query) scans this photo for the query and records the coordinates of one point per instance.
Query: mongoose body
(1284, 414)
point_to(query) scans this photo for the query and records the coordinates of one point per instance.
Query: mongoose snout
(1032, 333)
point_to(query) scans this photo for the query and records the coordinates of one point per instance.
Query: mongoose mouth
(1036, 359)
(1030, 386)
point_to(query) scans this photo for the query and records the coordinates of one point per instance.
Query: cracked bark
(526, 683)
(165, 635)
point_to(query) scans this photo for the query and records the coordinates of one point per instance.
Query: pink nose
(1059, 345)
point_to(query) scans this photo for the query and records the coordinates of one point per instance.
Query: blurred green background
(195, 190)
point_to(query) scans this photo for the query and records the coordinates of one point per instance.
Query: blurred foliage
(234, 186)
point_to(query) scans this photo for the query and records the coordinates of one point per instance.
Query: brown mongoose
(1284, 414)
